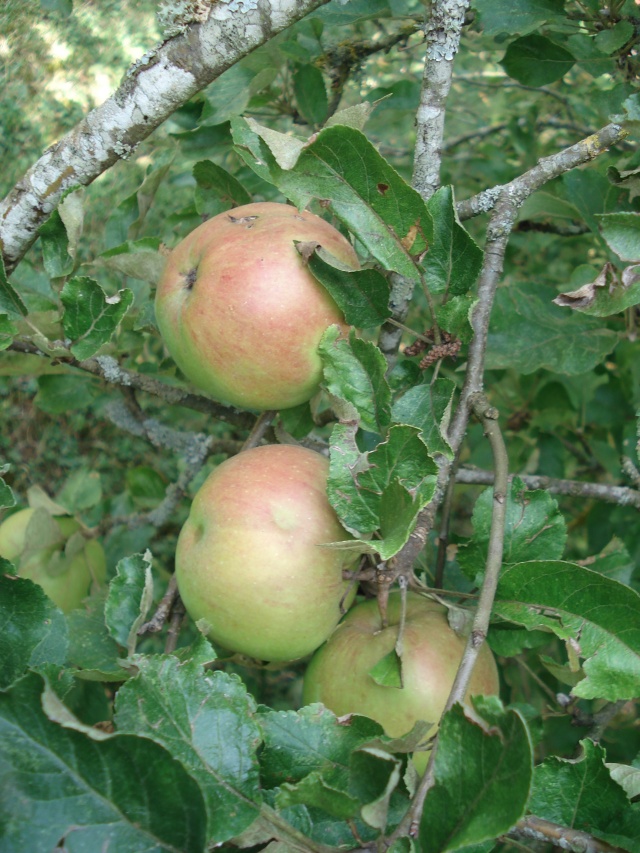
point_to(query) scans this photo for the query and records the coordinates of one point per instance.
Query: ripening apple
(240, 312)
(250, 560)
(338, 674)
(53, 553)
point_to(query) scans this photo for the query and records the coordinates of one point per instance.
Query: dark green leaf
(375, 775)
(90, 317)
(455, 317)
(216, 189)
(428, 407)
(297, 421)
(121, 791)
(7, 498)
(622, 233)
(311, 94)
(207, 721)
(33, 629)
(454, 259)
(8, 330)
(600, 617)
(361, 295)
(517, 16)
(129, 600)
(536, 61)
(65, 392)
(55, 247)
(92, 650)
(483, 775)
(316, 792)
(10, 301)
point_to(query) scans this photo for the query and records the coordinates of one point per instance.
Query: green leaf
(93, 652)
(579, 793)
(361, 295)
(90, 317)
(139, 259)
(7, 498)
(10, 301)
(8, 329)
(517, 16)
(207, 721)
(366, 194)
(121, 791)
(311, 94)
(428, 407)
(33, 629)
(613, 38)
(81, 490)
(298, 421)
(216, 189)
(622, 233)
(129, 600)
(600, 616)
(534, 529)
(627, 777)
(229, 94)
(316, 792)
(354, 372)
(570, 344)
(57, 260)
(63, 393)
(535, 60)
(455, 317)
(375, 776)
(606, 294)
(388, 671)
(454, 259)
(483, 771)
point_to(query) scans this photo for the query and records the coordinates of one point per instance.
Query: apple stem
(259, 429)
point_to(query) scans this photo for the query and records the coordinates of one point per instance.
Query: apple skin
(240, 312)
(338, 673)
(66, 583)
(248, 559)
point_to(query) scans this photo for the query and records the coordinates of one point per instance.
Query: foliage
(112, 732)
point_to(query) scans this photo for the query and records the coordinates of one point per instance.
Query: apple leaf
(556, 340)
(311, 94)
(627, 777)
(578, 793)
(10, 301)
(455, 317)
(600, 616)
(7, 498)
(62, 787)
(341, 166)
(141, 259)
(622, 234)
(521, 16)
(54, 241)
(207, 721)
(8, 330)
(454, 259)
(216, 189)
(535, 60)
(361, 295)
(129, 600)
(80, 491)
(428, 407)
(93, 652)
(34, 631)
(315, 791)
(354, 372)
(384, 489)
(534, 529)
(375, 775)
(90, 317)
(483, 771)
(388, 670)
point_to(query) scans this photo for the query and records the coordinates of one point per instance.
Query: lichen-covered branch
(621, 495)
(562, 837)
(150, 92)
(442, 35)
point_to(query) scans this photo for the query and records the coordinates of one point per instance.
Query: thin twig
(562, 837)
(157, 621)
(262, 424)
(178, 616)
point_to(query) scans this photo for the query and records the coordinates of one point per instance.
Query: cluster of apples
(242, 316)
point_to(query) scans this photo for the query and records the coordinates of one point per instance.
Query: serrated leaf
(483, 771)
(388, 671)
(7, 498)
(599, 615)
(126, 792)
(207, 721)
(361, 295)
(10, 301)
(129, 600)
(534, 529)
(535, 60)
(355, 116)
(93, 653)
(578, 793)
(455, 317)
(558, 341)
(141, 259)
(428, 407)
(216, 189)
(354, 371)
(621, 232)
(54, 241)
(375, 776)
(366, 194)
(90, 317)
(33, 629)
(454, 259)
(627, 777)
(316, 792)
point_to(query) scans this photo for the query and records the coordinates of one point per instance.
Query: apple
(240, 312)
(250, 561)
(338, 674)
(53, 553)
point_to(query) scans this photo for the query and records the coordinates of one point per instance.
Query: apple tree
(478, 416)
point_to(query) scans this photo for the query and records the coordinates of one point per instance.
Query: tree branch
(152, 89)
(621, 495)
(573, 840)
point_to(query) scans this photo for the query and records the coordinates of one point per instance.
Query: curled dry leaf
(584, 296)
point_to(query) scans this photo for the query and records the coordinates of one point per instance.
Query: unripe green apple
(53, 552)
(239, 310)
(339, 672)
(250, 560)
